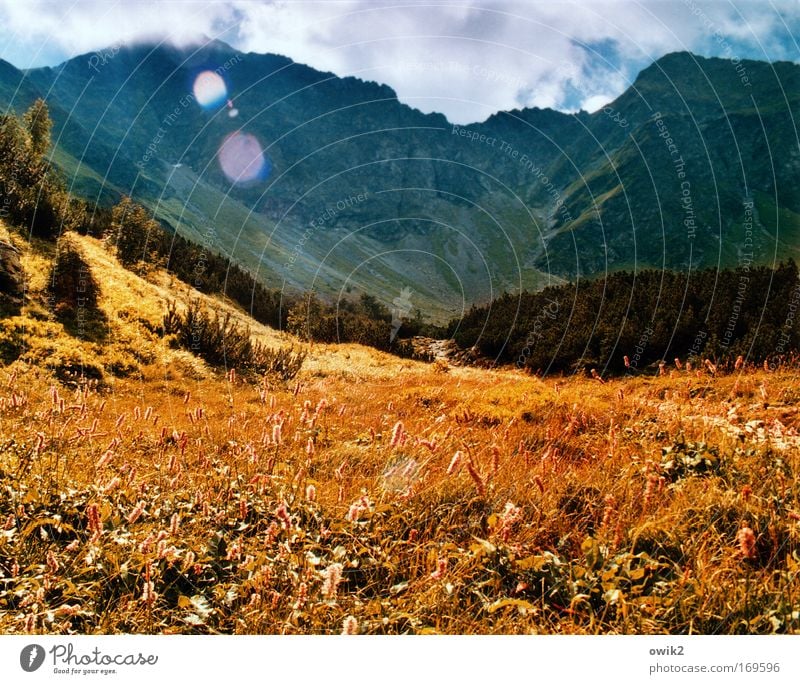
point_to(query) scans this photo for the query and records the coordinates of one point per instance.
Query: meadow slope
(372, 494)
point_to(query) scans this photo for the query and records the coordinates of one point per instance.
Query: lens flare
(242, 159)
(210, 90)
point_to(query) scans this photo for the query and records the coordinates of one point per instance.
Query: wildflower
(68, 610)
(455, 463)
(93, 516)
(510, 516)
(311, 493)
(148, 593)
(310, 446)
(272, 532)
(147, 544)
(413, 534)
(350, 625)
(627, 361)
(136, 513)
(441, 568)
(188, 560)
(332, 577)
(357, 508)
(739, 362)
(283, 515)
(747, 492)
(52, 562)
(276, 433)
(105, 459)
(747, 543)
(174, 523)
(72, 546)
(608, 511)
(476, 478)
(678, 363)
(234, 552)
(11, 522)
(650, 489)
(397, 433)
(302, 596)
(14, 569)
(113, 484)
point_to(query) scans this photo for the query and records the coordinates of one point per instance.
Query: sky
(465, 59)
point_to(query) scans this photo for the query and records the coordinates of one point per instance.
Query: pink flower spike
(349, 626)
(397, 433)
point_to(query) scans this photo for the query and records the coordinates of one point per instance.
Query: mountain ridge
(447, 213)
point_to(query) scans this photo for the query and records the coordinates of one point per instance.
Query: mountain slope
(356, 191)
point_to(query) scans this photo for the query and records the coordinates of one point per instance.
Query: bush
(224, 343)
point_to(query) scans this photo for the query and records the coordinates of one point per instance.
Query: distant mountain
(347, 189)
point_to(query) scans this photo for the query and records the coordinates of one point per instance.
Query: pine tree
(39, 125)
(138, 237)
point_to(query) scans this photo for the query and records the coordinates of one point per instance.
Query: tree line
(626, 321)
(34, 199)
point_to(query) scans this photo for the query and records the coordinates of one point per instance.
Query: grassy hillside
(373, 494)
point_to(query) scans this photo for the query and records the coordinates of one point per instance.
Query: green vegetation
(226, 344)
(648, 317)
(144, 491)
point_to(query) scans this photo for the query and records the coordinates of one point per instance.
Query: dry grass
(176, 499)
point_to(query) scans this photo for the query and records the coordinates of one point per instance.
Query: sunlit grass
(176, 498)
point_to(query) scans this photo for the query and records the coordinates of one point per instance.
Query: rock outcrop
(12, 280)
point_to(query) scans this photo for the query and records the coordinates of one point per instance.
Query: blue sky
(466, 59)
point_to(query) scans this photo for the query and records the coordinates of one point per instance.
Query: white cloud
(466, 59)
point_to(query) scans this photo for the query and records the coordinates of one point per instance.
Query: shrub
(224, 343)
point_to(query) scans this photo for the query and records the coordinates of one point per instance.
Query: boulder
(12, 280)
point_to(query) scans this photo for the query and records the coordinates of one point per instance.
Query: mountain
(335, 185)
